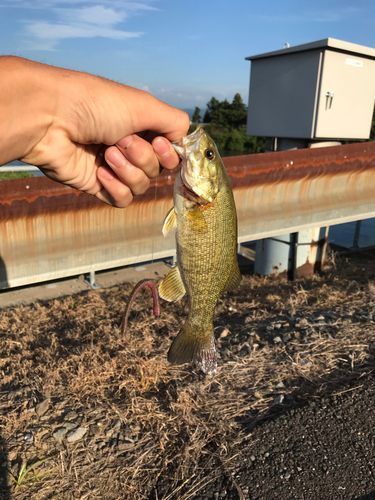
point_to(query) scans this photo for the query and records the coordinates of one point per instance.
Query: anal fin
(172, 287)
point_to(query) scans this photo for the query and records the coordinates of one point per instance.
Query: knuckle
(153, 170)
(170, 162)
(146, 155)
(142, 186)
(186, 120)
(139, 154)
(124, 202)
(123, 193)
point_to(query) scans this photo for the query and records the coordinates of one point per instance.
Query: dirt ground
(289, 415)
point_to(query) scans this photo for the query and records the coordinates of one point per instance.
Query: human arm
(74, 126)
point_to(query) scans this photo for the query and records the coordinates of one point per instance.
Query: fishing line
(153, 239)
(144, 300)
(145, 282)
(155, 200)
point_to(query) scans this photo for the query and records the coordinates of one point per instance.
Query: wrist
(26, 106)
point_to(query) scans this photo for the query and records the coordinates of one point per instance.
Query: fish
(204, 219)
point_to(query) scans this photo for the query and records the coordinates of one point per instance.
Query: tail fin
(201, 351)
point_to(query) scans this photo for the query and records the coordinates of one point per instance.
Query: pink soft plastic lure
(138, 287)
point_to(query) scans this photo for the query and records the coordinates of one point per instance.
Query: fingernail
(106, 173)
(115, 157)
(125, 142)
(161, 147)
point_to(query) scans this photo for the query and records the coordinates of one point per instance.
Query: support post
(90, 280)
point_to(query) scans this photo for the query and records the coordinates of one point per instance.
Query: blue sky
(182, 51)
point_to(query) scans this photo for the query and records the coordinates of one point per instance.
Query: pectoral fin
(170, 222)
(234, 278)
(172, 287)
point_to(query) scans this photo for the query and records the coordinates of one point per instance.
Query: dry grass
(190, 427)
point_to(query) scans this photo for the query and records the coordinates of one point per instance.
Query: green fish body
(204, 215)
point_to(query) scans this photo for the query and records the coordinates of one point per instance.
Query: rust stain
(306, 269)
(291, 170)
(301, 164)
(34, 196)
(49, 229)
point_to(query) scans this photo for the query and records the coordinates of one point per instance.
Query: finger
(114, 192)
(139, 153)
(103, 196)
(132, 176)
(167, 156)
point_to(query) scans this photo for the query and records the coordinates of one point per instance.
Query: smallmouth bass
(204, 216)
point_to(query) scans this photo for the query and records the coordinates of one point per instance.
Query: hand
(93, 134)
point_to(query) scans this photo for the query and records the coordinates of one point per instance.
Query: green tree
(236, 140)
(212, 105)
(221, 114)
(238, 112)
(226, 125)
(197, 115)
(5, 176)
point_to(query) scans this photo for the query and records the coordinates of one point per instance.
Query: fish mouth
(191, 195)
(186, 145)
(188, 148)
(192, 187)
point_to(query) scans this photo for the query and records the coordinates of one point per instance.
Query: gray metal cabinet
(320, 90)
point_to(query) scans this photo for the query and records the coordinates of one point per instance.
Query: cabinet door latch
(329, 98)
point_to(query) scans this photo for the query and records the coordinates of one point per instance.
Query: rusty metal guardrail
(50, 231)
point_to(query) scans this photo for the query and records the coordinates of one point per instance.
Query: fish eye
(209, 154)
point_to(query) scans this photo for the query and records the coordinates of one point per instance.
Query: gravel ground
(324, 450)
(289, 414)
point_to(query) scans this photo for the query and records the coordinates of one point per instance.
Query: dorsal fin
(172, 287)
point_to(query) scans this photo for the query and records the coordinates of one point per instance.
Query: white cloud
(42, 4)
(98, 14)
(50, 31)
(77, 19)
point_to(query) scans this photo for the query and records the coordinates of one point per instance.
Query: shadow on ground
(291, 389)
(3, 275)
(4, 490)
(371, 496)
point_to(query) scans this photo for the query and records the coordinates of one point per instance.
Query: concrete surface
(62, 288)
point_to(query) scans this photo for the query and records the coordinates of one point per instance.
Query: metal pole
(90, 280)
(356, 234)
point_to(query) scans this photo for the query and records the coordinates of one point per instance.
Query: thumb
(149, 113)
